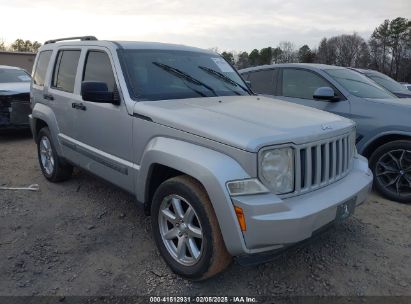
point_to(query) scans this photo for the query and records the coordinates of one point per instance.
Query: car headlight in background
(277, 169)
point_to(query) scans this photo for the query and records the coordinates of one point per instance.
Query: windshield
(386, 82)
(358, 84)
(13, 75)
(168, 74)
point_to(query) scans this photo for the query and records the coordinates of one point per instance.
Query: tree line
(20, 45)
(388, 50)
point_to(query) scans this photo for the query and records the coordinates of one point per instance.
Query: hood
(245, 122)
(10, 88)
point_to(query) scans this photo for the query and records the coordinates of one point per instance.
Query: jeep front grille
(321, 163)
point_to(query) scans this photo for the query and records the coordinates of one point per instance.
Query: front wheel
(391, 165)
(186, 230)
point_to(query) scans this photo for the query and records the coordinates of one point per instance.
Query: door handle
(78, 106)
(48, 97)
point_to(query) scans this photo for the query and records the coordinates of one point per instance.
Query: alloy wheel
(180, 230)
(393, 171)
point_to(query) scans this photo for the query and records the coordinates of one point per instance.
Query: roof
(10, 67)
(364, 71)
(128, 45)
(311, 66)
(159, 46)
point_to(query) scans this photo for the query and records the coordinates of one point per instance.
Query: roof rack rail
(82, 38)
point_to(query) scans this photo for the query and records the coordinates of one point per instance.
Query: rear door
(298, 86)
(61, 92)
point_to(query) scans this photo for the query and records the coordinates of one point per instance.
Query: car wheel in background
(53, 167)
(186, 229)
(391, 165)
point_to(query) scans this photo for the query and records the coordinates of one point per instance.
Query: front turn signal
(241, 218)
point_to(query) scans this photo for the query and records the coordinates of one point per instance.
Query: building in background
(18, 59)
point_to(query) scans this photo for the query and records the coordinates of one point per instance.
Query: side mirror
(325, 93)
(97, 91)
(248, 83)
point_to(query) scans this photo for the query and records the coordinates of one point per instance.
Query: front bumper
(14, 113)
(273, 223)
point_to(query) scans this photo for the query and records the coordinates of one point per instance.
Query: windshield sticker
(222, 64)
(24, 78)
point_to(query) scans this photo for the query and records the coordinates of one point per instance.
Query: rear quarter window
(41, 68)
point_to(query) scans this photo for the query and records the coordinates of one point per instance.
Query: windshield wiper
(223, 77)
(182, 75)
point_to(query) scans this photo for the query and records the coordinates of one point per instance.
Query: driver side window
(98, 68)
(299, 83)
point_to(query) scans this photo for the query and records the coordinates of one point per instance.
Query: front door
(104, 130)
(298, 86)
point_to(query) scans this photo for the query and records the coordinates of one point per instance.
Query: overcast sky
(226, 24)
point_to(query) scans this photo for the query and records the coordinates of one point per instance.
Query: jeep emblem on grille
(326, 127)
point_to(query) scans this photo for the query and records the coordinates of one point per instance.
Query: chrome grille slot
(321, 163)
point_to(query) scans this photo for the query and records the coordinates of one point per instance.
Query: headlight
(246, 187)
(277, 169)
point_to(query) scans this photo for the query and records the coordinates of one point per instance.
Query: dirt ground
(85, 237)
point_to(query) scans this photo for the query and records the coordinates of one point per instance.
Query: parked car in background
(386, 82)
(14, 98)
(407, 85)
(383, 120)
(221, 171)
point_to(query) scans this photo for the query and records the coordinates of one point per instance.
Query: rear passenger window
(98, 68)
(301, 83)
(262, 82)
(65, 70)
(41, 67)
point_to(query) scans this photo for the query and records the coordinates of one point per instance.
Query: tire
(208, 255)
(59, 170)
(391, 166)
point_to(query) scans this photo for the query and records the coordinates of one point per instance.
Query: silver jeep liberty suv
(223, 173)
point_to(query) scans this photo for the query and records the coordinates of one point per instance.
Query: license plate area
(345, 210)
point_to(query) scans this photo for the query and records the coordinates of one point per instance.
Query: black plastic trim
(81, 38)
(98, 158)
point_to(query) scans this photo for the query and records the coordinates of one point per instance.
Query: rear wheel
(53, 167)
(186, 230)
(391, 165)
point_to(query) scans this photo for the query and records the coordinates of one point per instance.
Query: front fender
(211, 168)
(46, 114)
(377, 134)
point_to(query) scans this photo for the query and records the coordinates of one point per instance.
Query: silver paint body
(215, 140)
